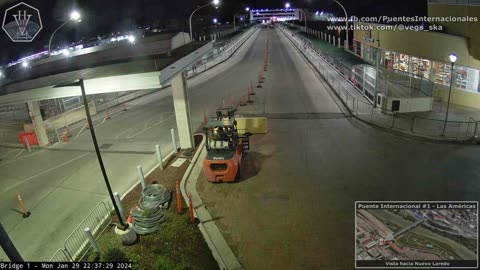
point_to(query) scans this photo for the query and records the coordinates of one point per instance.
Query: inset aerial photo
(416, 235)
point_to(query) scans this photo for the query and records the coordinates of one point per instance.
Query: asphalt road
(62, 184)
(294, 206)
(293, 209)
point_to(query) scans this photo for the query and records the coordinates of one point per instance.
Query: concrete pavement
(62, 184)
(294, 205)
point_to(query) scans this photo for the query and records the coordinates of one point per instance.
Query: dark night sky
(104, 16)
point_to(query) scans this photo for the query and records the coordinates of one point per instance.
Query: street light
(453, 58)
(25, 64)
(215, 20)
(66, 52)
(214, 2)
(74, 16)
(346, 20)
(80, 83)
(287, 5)
(131, 39)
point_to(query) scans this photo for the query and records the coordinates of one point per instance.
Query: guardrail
(219, 55)
(360, 108)
(76, 245)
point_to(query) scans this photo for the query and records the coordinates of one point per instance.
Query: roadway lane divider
(190, 209)
(259, 84)
(242, 101)
(179, 198)
(249, 100)
(25, 213)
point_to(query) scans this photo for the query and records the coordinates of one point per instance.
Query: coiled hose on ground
(149, 216)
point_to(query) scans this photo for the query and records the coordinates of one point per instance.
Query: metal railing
(76, 245)
(219, 55)
(362, 109)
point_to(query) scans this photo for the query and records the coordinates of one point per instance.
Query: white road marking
(42, 173)
(21, 151)
(154, 125)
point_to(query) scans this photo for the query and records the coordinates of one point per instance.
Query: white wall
(407, 105)
(179, 40)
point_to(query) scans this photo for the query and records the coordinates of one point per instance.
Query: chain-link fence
(354, 99)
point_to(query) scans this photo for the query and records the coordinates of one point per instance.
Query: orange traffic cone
(25, 213)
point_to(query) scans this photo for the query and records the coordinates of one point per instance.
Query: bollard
(159, 156)
(205, 119)
(179, 198)
(69, 133)
(56, 133)
(65, 137)
(259, 84)
(25, 213)
(124, 106)
(249, 100)
(190, 204)
(27, 143)
(174, 141)
(251, 93)
(92, 240)
(107, 116)
(142, 177)
(118, 201)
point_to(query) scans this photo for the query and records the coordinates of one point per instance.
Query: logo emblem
(22, 22)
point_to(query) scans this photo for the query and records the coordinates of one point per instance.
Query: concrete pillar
(329, 39)
(321, 34)
(339, 43)
(37, 120)
(182, 111)
(333, 40)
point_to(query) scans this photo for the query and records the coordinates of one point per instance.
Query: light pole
(287, 5)
(74, 16)
(346, 20)
(214, 2)
(453, 59)
(235, 16)
(122, 225)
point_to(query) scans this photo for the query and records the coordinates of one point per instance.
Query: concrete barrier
(254, 125)
(70, 117)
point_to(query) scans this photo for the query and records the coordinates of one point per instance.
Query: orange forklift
(225, 147)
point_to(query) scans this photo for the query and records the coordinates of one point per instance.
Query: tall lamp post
(74, 16)
(453, 59)
(346, 20)
(235, 16)
(287, 5)
(122, 226)
(214, 2)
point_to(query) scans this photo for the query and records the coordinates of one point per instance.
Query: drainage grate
(105, 146)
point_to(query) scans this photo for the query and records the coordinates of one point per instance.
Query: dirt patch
(177, 245)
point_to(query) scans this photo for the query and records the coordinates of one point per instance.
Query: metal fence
(220, 54)
(361, 108)
(76, 245)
